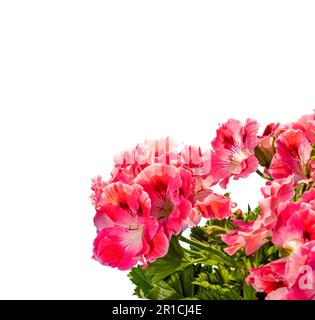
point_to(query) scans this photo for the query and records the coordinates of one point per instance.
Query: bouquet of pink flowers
(158, 190)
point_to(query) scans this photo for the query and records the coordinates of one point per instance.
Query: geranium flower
(306, 124)
(299, 276)
(293, 152)
(309, 197)
(164, 185)
(215, 206)
(233, 151)
(269, 277)
(127, 233)
(295, 226)
(277, 193)
(250, 236)
(192, 220)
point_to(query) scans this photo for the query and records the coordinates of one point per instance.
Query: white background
(83, 80)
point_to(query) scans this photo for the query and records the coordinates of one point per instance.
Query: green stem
(200, 260)
(216, 228)
(220, 256)
(192, 252)
(263, 175)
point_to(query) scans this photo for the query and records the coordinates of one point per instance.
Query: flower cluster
(158, 189)
(154, 192)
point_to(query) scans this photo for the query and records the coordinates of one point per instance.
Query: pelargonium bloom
(268, 278)
(306, 124)
(300, 273)
(309, 198)
(127, 234)
(293, 152)
(192, 220)
(277, 193)
(295, 226)
(299, 276)
(250, 236)
(233, 151)
(164, 185)
(215, 206)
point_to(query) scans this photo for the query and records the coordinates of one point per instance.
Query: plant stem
(216, 228)
(263, 175)
(192, 252)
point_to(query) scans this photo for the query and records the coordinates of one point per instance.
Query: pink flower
(276, 195)
(269, 277)
(250, 236)
(299, 275)
(127, 233)
(293, 152)
(164, 185)
(233, 151)
(192, 220)
(309, 197)
(307, 125)
(295, 226)
(271, 130)
(196, 164)
(215, 206)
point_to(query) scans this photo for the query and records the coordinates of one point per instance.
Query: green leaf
(175, 282)
(187, 278)
(249, 292)
(202, 280)
(252, 215)
(139, 277)
(163, 291)
(237, 275)
(163, 267)
(217, 292)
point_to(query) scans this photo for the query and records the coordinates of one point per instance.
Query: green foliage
(170, 277)
(252, 215)
(142, 281)
(198, 268)
(167, 265)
